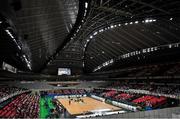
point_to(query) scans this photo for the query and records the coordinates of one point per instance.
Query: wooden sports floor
(90, 104)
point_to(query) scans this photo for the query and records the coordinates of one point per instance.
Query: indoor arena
(89, 59)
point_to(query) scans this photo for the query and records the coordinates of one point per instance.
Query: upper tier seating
(67, 91)
(6, 90)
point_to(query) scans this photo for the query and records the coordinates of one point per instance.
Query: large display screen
(64, 71)
(8, 67)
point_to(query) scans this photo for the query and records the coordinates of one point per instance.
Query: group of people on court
(77, 99)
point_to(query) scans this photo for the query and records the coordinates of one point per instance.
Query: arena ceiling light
(86, 5)
(83, 63)
(91, 37)
(19, 47)
(101, 30)
(24, 56)
(112, 26)
(146, 21)
(27, 62)
(104, 64)
(95, 33)
(136, 22)
(149, 20)
(85, 13)
(9, 33)
(77, 31)
(134, 53)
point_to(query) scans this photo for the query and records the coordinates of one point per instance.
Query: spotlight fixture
(136, 22)
(91, 37)
(86, 5)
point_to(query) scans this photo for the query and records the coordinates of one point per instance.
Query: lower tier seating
(24, 106)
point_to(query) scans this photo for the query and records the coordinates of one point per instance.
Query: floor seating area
(150, 101)
(133, 99)
(115, 95)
